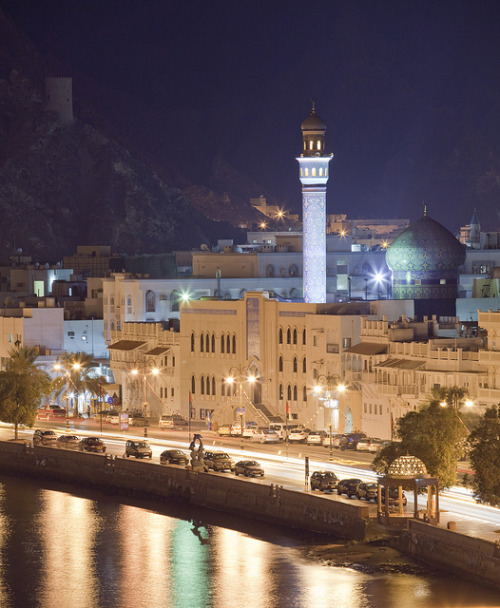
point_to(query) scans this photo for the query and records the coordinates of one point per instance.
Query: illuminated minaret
(313, 176)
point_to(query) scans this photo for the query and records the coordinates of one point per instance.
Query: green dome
(425, 246)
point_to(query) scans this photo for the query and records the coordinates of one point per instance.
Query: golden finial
(313, 106)
(425, 208)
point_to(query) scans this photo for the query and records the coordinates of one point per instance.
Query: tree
(22, 386)
(76, 375)
(485, 457)
(435, 434)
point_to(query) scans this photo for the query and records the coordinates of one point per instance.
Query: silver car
(68, 442)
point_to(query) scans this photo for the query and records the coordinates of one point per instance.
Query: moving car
(323, 480)
(248, 468)
(348, 486)
(370, 444)
(174, 457)
(92, 444)
(218, 461)
(315, 437)
(368, 491)
(139, 449)
(224, 430)
(68, 442)
(47, 438)
(265, 436)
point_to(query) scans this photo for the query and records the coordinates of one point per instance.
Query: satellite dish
(204, 247)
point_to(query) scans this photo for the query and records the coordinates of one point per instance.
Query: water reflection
(59, 549)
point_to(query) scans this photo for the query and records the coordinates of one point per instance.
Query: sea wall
(260, 501)
(474, 559)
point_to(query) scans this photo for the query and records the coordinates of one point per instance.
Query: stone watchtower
(313, 176)
(59, 97)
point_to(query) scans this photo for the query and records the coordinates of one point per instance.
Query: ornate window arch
(269, 270)
(295, 393)
(280, 364)
(208, 385)
(213, 343)
(228, 344)
(289, 392)
(192, 342)
(295, 365)
(304, 393)
(150, 301)
(202, 343)
(295, 336)
(207, 343)
(234, 344)
(202, 385)
(213, 385)
(304, 365)
(280, 336)
(281, 392)
(175, 301)
(193, 385)
(293, 270)
(288, 336)
(222, 343)
(304, 336)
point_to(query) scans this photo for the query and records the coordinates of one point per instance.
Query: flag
(287, 410)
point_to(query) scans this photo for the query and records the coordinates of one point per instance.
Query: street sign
(110, 400)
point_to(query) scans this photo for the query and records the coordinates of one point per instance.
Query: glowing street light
(329, 385)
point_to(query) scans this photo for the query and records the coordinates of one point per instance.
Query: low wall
(475, 559)
(260, 501)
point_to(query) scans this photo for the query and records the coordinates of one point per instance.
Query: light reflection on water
(86, 550)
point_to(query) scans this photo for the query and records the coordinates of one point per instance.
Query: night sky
(409, 90)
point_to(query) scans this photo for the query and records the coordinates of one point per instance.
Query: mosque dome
(407, 466)
(313, 122)
(425, 246)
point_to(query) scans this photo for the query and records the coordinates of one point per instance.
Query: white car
(370, 444)
(315, 437)
(298, 436)
(335, 440)
(265, 436)
(249, 432)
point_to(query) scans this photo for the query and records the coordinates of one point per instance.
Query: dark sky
(409, 90)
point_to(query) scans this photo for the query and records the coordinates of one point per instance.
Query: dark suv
(218, 461)
(348, 486)
(139, 449)
(44, 438)
(324, 480)
(349, 441)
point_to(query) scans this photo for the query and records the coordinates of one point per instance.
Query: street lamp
(241, 375)
(329, 385)
(144, 368)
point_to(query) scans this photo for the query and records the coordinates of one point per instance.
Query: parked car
(174, 457)
(370, 444)
(249, 432)
(368, 491)
(348, 486)
(349, 441)
(323, 480)
(282, 428)
(92, 444)
(298, 435)
(113, 418)
(172, 421)
(315, 437)
(47, 438)
(265, 436)
(218, 461)
(394, 497)
(58, 411)
(140, 420)
(335, 440)
(139, 449)
(224, 430)
(248, 468)
(68, 442)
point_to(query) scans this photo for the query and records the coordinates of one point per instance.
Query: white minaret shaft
(313, 177)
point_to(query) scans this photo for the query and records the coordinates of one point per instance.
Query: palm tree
(22, 386)
(77, 377)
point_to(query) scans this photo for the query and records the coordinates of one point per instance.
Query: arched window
(304, 393)
(193, 385)
(111, 301)
(311, 144)
(228, 344)
(326, 171)
(207, 343)
(304, 365)
(288, 336)
(304, 337)
(295, 365)
(213, 343)
(281, 392)
(222, 343)
(208, 385)
(112, 326)
(295, 336)
(321, 171)
(192, 342)
(269, 270)
(202, 385)
(213, 385)
(234, 345)
(280, 364)
(289, 393)
(129, 301)
(223, 388)
(150, 301)
(313, 172)
(175, 301)
(295, 395)
(293, 270)
(280, 336)
(202, 343)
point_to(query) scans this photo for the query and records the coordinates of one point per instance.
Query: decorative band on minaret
(313, 165)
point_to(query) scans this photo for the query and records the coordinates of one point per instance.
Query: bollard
(452, 525)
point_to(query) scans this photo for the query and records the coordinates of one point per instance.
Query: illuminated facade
(313, 177)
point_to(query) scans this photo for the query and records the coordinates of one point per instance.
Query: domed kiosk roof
(407, 466)
(425, 245)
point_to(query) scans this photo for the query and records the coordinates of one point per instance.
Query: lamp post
(240, 375)
(329, 385)
(75, 367)
(144, 368)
